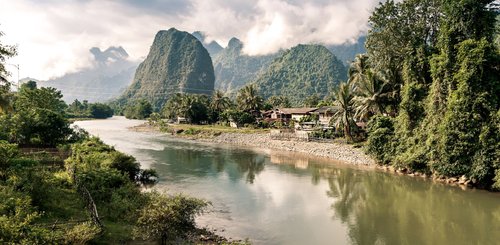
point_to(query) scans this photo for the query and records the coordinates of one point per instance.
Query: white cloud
(54, 36)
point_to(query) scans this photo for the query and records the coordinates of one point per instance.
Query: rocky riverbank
(335, 151)
(345, 153)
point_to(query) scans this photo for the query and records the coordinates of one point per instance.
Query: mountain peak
(235, 43)
(212, 47)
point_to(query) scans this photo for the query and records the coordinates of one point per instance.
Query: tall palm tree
(219, 101)
(345, 102)
(360, 69)
(248, 98)
(371, 88)
(371, 95)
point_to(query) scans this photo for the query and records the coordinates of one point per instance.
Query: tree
(139, 109)
(99, 110)
(278, 101)
(30, 96)
(5, 98)
(218, 104)
(344, 115)
(6, 51)
(312, 101)
(402, 40)
(248, 99)
(372, 94)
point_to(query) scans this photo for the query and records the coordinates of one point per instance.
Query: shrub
(168, 217)
(380, 139)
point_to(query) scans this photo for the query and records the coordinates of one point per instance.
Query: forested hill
(300, 72)
(110, 73)
(233, 69)
(177, 62)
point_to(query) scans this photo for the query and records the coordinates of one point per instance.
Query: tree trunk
(347, 128)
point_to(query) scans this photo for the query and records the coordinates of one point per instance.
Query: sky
(54, 36)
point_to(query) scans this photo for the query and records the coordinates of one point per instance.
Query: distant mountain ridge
(234, 69)
(177, 62)
(110, 73)
(302, 71)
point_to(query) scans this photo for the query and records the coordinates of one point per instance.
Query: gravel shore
(344, 153)
(335, 151)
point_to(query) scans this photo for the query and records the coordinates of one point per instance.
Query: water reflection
(279, 198)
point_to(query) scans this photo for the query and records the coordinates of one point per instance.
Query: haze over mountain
(111, 72)
(212, 47)
(234, 69)
(300, 72)
(176, 63)
(347, 52)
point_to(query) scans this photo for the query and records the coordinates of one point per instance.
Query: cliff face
(300, 72)
(177, 63)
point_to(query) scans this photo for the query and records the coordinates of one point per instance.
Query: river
(281, 198)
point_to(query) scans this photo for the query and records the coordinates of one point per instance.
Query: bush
(81, 233)
(166, 218)
(380, 139)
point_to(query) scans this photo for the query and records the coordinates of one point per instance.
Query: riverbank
(345, 153)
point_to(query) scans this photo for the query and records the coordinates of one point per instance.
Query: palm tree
(219, 101)
(248, 99)
(345, 102)
(371, 88)
(360, 69)
(371, 93)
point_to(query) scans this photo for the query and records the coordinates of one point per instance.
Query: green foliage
(312, 101)
(278, 101)
(381, 137)
(177, 63)
(248, 99)
(300, 72)
(343, 117)
(140, 109)
(99, 110)
(237, 116)
(194, 108)
(468, 108)
(81, 233)
(37, 118)
(233, 69)
(6, 51)
(448, 69)
(17, 218)
(167, 218)
(7, 152)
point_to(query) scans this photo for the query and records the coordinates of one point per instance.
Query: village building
(325, 114)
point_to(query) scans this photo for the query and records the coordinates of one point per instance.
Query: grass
(214, 129)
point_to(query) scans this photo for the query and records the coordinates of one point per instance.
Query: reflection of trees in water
(383, 209)
(251, 166)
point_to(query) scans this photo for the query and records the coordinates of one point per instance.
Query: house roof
(304, 110)
(325, 109)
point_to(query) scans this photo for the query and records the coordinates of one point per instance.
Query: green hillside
(300, 72)
(233, 69)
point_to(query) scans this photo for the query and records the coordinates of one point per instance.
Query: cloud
(54, 37)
